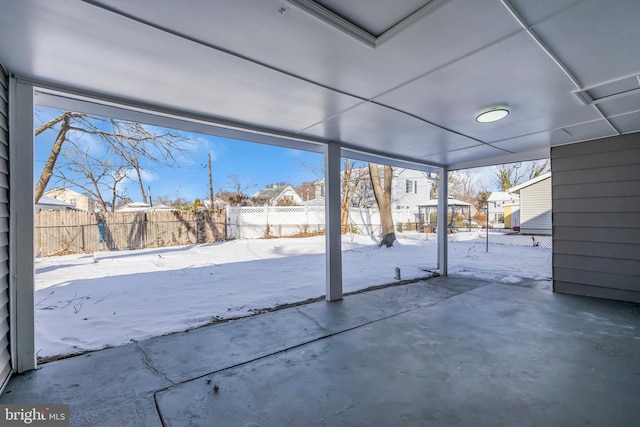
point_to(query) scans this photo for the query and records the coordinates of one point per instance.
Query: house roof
(272, 192)
(134, 207)
(519, 187)
(502, 195)
(450, 202)
(370, 75)
(64, 189)
(46, 202)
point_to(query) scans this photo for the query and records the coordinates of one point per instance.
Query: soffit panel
(535, 154)
(596, 40)
(146, 65)
(581, 132)
(305, 46)
(383, 129)
(621, 105)
(515, 71)
(627, 123)
(374, 16)
(535, 11)
(463, 155)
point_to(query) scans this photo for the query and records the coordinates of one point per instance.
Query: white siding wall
(409, 202)
(596, 218)
(535, 208)
(5, 359)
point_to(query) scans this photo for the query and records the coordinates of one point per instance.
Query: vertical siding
(535, 208)
(596, 218)
(5, 360)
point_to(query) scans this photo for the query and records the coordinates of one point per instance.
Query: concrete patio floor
(447, 351)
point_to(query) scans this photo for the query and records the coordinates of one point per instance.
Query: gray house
(535, 205)
(434, 86)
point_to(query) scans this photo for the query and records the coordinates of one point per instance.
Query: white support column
(443, 192)
(332, 222)
(21, 236)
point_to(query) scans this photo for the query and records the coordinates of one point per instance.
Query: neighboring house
(535, 205)
(504, 208)
(409, 190)
(47, 203)
(134, 207)
(276, 195)
(77, 200)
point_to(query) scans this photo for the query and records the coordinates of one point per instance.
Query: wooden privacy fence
(70, 232)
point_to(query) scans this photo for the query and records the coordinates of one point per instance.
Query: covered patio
(432, 85)
(455, 352)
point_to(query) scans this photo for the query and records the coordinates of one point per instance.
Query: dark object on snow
(388, 240)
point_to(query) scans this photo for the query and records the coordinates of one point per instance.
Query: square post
(443, 192)
(333, 235)
(21, 235)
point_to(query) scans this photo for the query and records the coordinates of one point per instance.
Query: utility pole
(210, 181)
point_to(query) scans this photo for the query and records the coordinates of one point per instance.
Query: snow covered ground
(86, 302)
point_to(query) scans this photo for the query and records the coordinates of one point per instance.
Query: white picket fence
(282, 221)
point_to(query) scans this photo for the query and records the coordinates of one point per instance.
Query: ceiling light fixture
(492, 114)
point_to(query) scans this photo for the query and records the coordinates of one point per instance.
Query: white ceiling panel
(465, 155)
(132, 63)
(621, 105)
(538, 10)
(627, 123)
(375, 16)
(301, 44)
(384, 129)
(581, 132)
(597, 40)
(272, 66)
(514, 72)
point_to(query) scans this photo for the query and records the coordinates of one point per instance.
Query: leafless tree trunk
(511, 174)
(382, 192)
(126, 143)
(352, 177)
(47, 171)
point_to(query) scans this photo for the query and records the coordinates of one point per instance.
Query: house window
(411, 186)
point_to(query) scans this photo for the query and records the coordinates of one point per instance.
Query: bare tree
(462, 185)
(236, 191)
(511, 174)
(99, 178)
(47, 171)
(129, 141)
(353, 175)
(382, 192)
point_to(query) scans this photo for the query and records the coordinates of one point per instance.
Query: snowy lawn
(87, 303)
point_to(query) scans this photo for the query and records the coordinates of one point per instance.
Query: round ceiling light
(492, 114)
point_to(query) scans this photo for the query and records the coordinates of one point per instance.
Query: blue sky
(256, 165)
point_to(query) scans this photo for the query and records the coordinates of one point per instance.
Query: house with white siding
(535, 205)
(504, 209)
(278, 195)
(410, 188)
